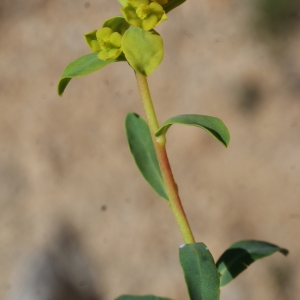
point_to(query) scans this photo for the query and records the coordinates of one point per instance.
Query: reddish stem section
(160, 149)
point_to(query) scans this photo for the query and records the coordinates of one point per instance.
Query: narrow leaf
(143, 50)
(172, 4)
(80, 67)
(142, 149)
(211, 124)
(239, 256)
(148, 297)
(200, 272)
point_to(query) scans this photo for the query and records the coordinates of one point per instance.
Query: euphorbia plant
(132, 38)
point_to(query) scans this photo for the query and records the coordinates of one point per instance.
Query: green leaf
(172, 4)
(143, 50)
(117, 24)
(211, 124)
(200, 272)
(242, 254)
(148, 297)
(142, 149)
(82, 66)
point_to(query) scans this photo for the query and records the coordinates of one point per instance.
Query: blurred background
(77, 220)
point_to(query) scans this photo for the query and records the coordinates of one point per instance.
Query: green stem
(160, 149)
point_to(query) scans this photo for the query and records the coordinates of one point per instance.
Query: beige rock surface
(66, 160)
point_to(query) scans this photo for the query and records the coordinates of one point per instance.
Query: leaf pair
(200, 274)
(204, 278)
(142, 148)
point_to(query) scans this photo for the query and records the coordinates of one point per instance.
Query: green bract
(92, 42)
(123, 2)
(144, 13)
(144, 50)
(118, 24)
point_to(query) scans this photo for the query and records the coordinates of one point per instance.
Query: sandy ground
(65, 161)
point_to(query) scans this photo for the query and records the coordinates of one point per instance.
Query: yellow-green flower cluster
(145, 14)
(110, 43)
(106, 42)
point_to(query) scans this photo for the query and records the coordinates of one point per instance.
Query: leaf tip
(62, 84)
(283, 251)
(59, 90)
